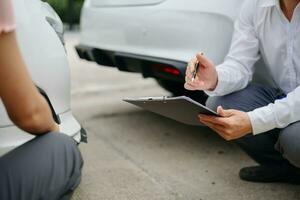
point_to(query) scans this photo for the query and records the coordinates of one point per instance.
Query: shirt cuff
(262, 119)
(222, 79)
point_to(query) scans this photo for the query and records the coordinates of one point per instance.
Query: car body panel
(172, 30)
(11, 136)
(161, 30)
(43, 53)
(102, 3)
(47, 63)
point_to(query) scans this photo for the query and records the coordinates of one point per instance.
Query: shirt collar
(268, 3)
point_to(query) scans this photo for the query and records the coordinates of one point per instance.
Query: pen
(195, 71)
(196, 68)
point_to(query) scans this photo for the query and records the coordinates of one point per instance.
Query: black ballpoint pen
(195, 71)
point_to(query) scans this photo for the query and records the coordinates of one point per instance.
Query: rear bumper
(175, 29)
(159, 68)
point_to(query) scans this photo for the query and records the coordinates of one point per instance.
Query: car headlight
(54, 20)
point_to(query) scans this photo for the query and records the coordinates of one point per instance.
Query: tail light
(162, 68)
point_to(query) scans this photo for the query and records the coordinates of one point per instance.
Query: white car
(40, 37)
(157, 37)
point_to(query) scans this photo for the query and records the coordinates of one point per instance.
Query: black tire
(177, 89)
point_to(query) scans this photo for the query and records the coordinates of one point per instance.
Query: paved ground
(133, 154)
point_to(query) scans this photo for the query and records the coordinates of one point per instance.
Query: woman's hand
(55, 128)
(231, 125)
(206, 78)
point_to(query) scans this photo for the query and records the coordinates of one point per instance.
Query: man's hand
(206, 78)
(233, 124)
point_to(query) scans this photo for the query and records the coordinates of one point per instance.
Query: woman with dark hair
(49, 166)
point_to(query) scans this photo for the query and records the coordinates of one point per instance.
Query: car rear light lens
(166, 69)
(169, 70)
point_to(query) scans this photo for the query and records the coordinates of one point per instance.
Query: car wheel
(176, 88)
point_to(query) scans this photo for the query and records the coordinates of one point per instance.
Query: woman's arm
(24, 105)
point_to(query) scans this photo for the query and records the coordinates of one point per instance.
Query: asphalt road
(136, 155)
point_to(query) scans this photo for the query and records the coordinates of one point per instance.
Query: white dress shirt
(262, 30)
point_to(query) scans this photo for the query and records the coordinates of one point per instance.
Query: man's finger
(189, 76)
(191, 65)
(224, 113)
(214, 126)
(203, 60)
(199, 85)
(214, 120)
(193, 85)
(189, 87)
(189, 69)
(217, 129)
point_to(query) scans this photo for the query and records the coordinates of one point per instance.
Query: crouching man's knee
(214, 102)
(289, 144)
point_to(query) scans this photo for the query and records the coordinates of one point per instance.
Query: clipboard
(182, 109)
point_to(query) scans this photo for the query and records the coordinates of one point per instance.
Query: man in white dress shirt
(264, 121)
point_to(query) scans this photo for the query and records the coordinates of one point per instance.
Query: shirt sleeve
(279, 114)
(236, 71)
(7, 22)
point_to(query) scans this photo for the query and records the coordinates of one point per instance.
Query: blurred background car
(40, 38)
(157, 37)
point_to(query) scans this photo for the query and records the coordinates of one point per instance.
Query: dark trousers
(274, 147)
(46, 168)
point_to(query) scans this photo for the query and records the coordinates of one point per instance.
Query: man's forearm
(231, 78)
(277, 115)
